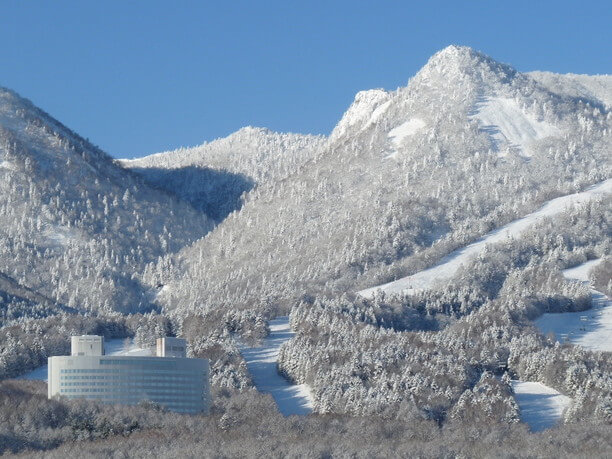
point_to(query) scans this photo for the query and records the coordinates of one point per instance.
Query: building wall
(87, 345)
(171, 347)
(180, 384)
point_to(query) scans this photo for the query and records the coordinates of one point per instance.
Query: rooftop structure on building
(169, 378)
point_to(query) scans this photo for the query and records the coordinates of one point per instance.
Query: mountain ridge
(367, 196)
(213, 243)
(65, 203)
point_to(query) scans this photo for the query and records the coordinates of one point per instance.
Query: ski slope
(111, 347)
(508, 125)
(591, 329)
(262, 364)
(541, 407)
(449, 264)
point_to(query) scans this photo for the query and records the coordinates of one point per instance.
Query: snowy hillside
(19, 301)
(214, 175)
(473, 188)
(262, 363)
(407, 177)
(367, 109)
(590, 329)
(511, 127)
(256, 152)
(597, 88)
(449, 264)
(541, 406)
(74, 226)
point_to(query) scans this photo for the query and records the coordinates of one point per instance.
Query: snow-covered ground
(7, 165)
(57, 235)
(541, 406)
(594, 87)
(581, 272)
(410, 127)
(378, 113)
(398, 134)
(111, 347)
(262, 364)
(449, 264)
(509, 125)
(366, 109)
(39, 373)
(590, 329)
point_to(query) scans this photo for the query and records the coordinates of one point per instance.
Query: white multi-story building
(170, 378)
(87, 345)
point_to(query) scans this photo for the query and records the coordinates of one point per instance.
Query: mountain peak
(254, 130)
(458, 62)
(455, 56)
(457, 53)
(361, 110)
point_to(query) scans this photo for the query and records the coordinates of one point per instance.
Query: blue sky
(137, 77)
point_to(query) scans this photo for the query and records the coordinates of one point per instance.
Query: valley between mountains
(425, 270)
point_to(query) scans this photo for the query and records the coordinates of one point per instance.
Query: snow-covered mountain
(449, 265)
(596, 88)
(18, 301)
(75, 227)
(465, 176)
(214, 175)
(406, 177)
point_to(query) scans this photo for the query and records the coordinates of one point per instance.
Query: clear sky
(138, 77)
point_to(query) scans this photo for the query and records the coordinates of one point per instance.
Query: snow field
(398, 134)
(7, 165)
(378, 113)
(541, 407)
(508, 125)
(591, 329)
(57, 235)
(581, 272)
(450, 263)
(262, 364)
(406, 129)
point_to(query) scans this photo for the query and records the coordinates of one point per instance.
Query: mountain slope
(213, 176)
(597, 88)
(406, 177)
(74, 225)
(449, 265)
(18, 301)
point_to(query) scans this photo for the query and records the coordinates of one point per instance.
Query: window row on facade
(138, 387)
(142, 363)
(144, 371)
(136, 395)
(132, 377)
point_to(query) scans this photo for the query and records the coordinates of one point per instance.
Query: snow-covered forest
(354, 217)
(76, 227)
(213, 242)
